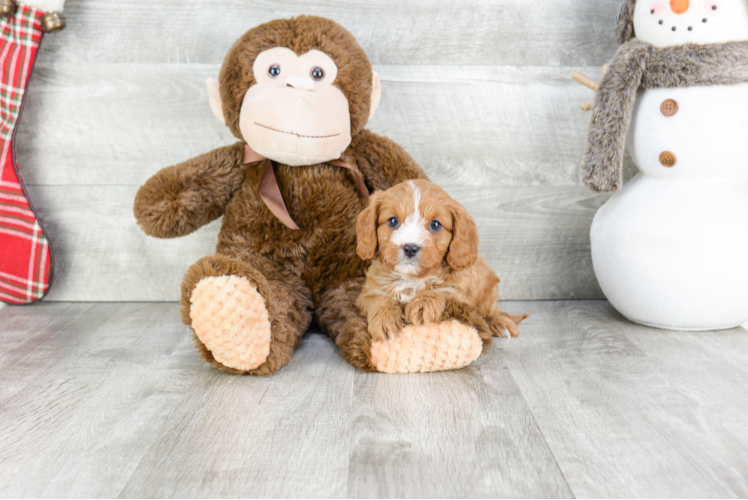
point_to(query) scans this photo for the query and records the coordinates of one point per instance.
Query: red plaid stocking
(25, 256)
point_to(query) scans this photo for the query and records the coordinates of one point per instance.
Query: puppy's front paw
(386, 324)
(425, 308)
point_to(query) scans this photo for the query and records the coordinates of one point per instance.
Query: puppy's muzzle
(411, 250)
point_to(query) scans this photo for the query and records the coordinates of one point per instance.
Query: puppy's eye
(435, 225)
(318, 73)
(392, 222)
(274, 70)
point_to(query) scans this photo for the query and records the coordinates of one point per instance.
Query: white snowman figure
(671, 249)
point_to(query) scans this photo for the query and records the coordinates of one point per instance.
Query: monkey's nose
(411, 249)
(300, 83)
(679, 6)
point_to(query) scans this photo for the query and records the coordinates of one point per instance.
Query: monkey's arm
(383, 162)
(179, 199)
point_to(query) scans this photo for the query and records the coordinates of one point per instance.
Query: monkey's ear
(214, 97)
(376, 93)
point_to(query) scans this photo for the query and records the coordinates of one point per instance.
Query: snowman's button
(668, 159)
(669, 107)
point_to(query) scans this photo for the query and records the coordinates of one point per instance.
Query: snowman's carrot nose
(679, 6)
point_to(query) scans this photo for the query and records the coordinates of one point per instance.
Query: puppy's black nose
(411, 250)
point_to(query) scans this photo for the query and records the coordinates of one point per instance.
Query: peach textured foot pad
(229, 317)
(428, 348)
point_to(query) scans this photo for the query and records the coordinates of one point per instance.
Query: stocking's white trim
(44, 5)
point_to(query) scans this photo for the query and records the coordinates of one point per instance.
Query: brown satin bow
(270, 192)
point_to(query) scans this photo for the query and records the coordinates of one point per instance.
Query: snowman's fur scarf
(640, 66)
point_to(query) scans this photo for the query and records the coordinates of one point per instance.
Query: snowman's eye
(661, 21)
(714, 7)
(652, 11)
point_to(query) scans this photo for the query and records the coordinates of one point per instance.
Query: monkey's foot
(229, 316)
(448, 345)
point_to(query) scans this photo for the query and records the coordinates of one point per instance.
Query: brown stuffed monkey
(297, 93)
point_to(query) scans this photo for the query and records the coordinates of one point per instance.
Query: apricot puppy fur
(424, 251)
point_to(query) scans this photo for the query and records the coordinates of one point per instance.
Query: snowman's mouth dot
(704, 20)
(674, 28)
(661, 21)
(690, 28)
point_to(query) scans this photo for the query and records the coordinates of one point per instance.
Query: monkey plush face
(295, 114)
(296, 90)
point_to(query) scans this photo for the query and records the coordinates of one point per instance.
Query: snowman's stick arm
(586, 81)
(590, 83)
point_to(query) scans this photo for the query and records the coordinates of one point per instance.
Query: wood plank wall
(478, 91)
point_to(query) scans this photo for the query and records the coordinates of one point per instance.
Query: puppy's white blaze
(412, 230)
(416, 199)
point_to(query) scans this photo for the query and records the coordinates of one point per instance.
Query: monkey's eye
(317, 73)
(274, 70)
(435, 226)
(392, 222)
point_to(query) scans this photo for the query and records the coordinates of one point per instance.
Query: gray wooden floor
(111, 399)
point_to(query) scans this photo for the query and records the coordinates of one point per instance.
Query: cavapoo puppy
(424, 251)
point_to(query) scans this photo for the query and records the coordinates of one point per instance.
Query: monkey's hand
(426, 307)
(179, 199)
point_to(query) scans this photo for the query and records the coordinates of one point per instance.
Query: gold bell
(52, 22)
(7, 8)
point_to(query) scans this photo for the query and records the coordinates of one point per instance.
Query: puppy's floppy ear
(463, 250)
(366, 228)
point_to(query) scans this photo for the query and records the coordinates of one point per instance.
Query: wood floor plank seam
(540, 430)
(157, 437)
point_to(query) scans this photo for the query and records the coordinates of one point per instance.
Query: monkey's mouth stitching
(297, 135)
